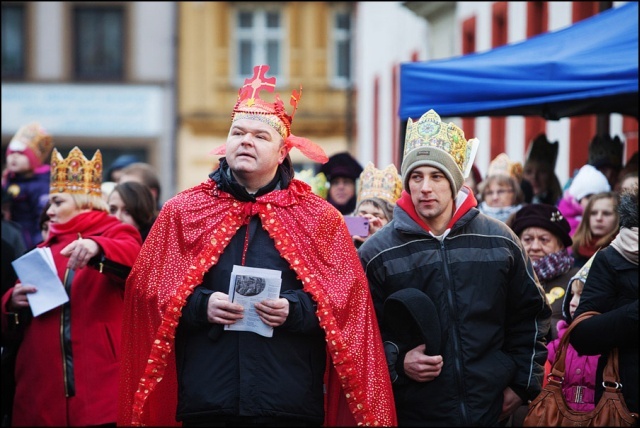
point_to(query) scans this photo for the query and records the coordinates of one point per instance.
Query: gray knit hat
(431, 142)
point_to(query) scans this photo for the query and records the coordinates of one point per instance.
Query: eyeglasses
(498, 192)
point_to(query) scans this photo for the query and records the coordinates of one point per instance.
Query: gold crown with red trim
(385, 184)
(76, 174)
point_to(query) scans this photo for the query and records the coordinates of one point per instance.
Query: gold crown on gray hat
(430, 132)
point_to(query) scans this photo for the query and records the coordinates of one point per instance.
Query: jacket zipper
(456, 338)
(65, 339)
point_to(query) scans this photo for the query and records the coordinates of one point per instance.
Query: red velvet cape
(187, 239)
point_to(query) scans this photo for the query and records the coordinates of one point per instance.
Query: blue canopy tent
(590, 67)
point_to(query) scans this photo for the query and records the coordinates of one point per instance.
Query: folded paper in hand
(36, 268)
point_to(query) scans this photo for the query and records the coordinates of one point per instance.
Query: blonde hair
(91, 202)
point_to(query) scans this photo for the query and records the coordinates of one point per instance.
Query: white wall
(387, 34)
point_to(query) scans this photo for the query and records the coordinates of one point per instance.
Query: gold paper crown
(502, 165)
(430, 131)
(34, 137)
(385, 184)
(76, 174)
(317, 182)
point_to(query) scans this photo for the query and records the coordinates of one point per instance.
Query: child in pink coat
(580, 370)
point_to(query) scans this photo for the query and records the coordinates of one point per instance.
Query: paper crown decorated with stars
(385, 184)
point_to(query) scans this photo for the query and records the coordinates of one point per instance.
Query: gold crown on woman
(385, 183)
(76, 174)
(502, 165)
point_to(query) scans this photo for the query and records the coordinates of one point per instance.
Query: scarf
(626, 243)
(553, 265)
(499, 213)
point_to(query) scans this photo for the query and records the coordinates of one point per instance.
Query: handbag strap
(558, 367)
(610, 375)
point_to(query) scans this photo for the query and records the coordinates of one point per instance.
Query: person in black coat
(612, 289)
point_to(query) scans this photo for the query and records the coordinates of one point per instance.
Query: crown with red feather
(250, 106)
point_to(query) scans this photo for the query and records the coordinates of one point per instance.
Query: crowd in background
(565, 230)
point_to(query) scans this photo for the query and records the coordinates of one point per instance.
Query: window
(98, 43)
(259, 39)
(13, 41)
(342, 49)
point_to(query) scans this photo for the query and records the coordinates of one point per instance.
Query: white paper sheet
(37, 268)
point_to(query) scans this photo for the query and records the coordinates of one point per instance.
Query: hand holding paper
(36, 268)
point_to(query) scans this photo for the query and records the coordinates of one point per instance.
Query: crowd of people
(447, 312)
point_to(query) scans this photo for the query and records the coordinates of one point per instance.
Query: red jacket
(96, 303)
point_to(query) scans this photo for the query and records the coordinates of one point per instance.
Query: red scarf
(187, 239)
(462, 204)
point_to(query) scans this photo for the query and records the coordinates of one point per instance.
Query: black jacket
(231, 374)
(493, 315)
(611, 289)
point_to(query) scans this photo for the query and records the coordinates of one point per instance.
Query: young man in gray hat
(492, 312)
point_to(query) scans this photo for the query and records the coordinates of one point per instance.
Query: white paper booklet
(247, 286)
(38, 269)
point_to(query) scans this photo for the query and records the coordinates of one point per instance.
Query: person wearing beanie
(26, 178)
(544, 233)
(612, 290)
(304, 352)
(342, 171)
(472, 267)
(586, 182)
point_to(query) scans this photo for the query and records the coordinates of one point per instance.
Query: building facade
(99, 75)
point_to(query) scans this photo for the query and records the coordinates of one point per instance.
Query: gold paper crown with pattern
(32, 136)
(76, 174)
(448, 144)
(250, 106)
(502, 165)
(385, 184)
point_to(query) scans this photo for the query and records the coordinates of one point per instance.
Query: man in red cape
(189, 247)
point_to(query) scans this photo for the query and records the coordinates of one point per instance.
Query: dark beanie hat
(341, 165)
(413, 318)
(544, 216)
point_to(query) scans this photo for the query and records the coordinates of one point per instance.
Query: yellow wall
(207, 93)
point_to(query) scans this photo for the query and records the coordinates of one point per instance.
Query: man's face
(431, 194)
(254, 150)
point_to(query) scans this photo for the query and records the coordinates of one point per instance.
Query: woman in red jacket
(68, 362)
